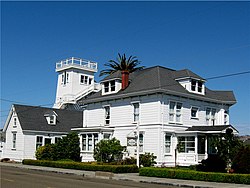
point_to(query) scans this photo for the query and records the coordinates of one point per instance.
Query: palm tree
(123, 64)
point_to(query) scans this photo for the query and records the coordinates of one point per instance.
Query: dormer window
(51, 117)
(197, 86)
(111, 86)
(52, 120)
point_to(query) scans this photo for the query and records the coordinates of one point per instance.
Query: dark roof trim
(211, 129)
(154, 91)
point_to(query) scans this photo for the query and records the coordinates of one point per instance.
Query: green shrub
(194, 175)
(65, 148)
(45, 152)
(147, 159)
(83, 166)
(108, 151)
(241, 162)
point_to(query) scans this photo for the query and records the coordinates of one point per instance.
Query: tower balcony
(76, 63)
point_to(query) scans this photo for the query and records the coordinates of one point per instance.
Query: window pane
(112, 85)
(106, 87)
(193, 86)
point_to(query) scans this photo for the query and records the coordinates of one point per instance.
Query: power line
(228, 75)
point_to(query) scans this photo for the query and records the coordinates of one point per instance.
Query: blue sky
(209, 38)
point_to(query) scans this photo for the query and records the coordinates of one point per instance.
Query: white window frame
(52, 119)
(14, 138)
(91, 139)
(226, 117)
(210, 118)
(39, 144)
(187, 142)
(175, 112)
(14, 122)
(107, 118)
(109, 86)
(85, 79)
(136, 115)
(196, 114)
(141, 141)
(169, 143)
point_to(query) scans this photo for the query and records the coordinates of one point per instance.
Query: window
(109, 86)
(106, 136)
(141, 140)
(186, 144)
(57, 139)
(89, 141)
(85, 80)
(194, 112)
(39, 141)
(199, 86)
(107, 115)
(175, 113)
(136, 112)
(112, 85)
(196, 86)
(15, 122)
(210, 116)
(65, 77)
(167, 143)
(106, 87)
(90, 81)
(47, 141)
(193, 85)
(52, 119)
(13, 140)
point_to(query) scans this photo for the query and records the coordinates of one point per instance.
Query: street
(12, 177)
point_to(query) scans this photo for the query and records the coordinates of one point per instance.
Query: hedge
(83, 166)
(194, 175)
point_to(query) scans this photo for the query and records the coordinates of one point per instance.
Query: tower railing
(81, 63)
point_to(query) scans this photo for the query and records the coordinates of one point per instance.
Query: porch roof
(212, 129)
(93, 129)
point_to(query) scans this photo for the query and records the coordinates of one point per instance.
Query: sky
(209, 38)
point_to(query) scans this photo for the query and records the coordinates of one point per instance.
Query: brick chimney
(125, 78)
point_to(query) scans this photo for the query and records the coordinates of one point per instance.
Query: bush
(66, 148)
(108, 151)
(212, 164)
(45, 152)
(241, 162)
(194, 175)
(147, 159)
(83, 166)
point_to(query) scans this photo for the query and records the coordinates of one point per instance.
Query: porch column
(196, 147)
(206, 147)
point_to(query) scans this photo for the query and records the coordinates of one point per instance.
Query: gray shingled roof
(160, 79)
(215, 128)
(32, 118)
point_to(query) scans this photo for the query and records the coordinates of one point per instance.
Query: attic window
(52, 120)
(109, 86)
(196, 86)
(51, 117)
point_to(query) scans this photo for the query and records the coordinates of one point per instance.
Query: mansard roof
(32, 118)
(161, 80)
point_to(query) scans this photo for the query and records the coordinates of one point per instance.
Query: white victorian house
(159, 106)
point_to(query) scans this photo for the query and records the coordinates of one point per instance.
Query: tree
(227, 146)
(68, 148)
(108, 151)
(122, 64)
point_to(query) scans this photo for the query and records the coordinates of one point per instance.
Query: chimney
(125, 77)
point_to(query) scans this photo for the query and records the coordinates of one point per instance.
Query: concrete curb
(129, 177)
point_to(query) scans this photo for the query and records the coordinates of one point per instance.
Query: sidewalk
(130, 177)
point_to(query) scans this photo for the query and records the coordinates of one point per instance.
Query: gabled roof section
(181, 74)
(115, 75)
(161, 80)
(32, 118)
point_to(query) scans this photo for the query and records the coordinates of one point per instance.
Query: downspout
(162, 129)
